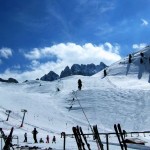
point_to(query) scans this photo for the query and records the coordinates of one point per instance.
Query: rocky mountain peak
(76, 69)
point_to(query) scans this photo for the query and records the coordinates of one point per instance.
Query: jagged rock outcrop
(51, 76)
(76, 69)
(100, 67)
(10, 80)
(85, 70)
(66, 72)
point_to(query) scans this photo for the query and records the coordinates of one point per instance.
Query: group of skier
(35, 132)
(141, 59)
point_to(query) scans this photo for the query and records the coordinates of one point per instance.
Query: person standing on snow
(47, 139)
(105, 73)
(79, 84)
(130, 57)
(41, 140)
(34, 132)
(25, 137)
(54, 139)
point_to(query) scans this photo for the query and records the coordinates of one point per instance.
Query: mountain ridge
(75, 69)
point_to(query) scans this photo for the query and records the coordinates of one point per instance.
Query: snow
(121, 97)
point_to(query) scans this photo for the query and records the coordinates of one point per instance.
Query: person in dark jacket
(79, 84)
(130, 57)
(142, 54)
(47, 139)
(105, 73)
(34, 132)
(141, 61)
(25, 137)
(54, 139)
(41, 140)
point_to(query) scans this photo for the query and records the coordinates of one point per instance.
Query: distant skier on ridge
(130, 56)
(105, 73)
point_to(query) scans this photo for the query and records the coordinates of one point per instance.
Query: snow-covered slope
(124, 73)
(121, 97)
(135, 68)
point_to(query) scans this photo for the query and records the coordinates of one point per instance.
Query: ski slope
(121, 97)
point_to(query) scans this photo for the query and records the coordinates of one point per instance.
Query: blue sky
(37, 36)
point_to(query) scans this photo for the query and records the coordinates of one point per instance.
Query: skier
(54, 139)
(47, 139)
(105, 73)
(141, 61)
(70, 108)
(130, 56)
(58, 89)
(142, 54)
(25, 137)
(34, 132)
(41, 140)
(79, 84)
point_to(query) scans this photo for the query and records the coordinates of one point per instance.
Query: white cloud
(37, 72)
(144, 22)
(139, 46)
(73, 53)
(34, 54)
(35, 63)
(111, 48)
(5, 52)
(67, 54)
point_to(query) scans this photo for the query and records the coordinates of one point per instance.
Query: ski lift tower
(24, 112)
(8, 113)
